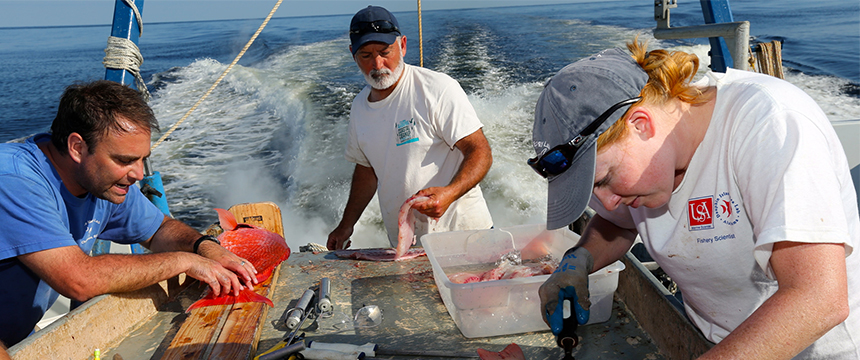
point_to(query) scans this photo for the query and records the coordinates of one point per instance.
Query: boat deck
(152, 324)
(414, 317)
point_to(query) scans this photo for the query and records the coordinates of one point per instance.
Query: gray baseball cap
(571, 101)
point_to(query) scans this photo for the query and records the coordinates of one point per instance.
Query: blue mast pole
(125, 26)
(718, 11)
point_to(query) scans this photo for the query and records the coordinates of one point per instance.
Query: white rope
(137, 16)
(123, 54)
(230, 67)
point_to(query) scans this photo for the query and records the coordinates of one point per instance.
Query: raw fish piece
(406, 225)
(464, 278)
(261, 247)
(512, 352)
(493, 274)
(503, 271)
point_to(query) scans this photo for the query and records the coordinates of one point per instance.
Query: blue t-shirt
(38, 213)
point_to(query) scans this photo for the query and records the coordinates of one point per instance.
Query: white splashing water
(276, 132)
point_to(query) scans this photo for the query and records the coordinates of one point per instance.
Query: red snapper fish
(263, 248)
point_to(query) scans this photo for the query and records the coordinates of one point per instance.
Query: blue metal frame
(154, 181)
(718, 11)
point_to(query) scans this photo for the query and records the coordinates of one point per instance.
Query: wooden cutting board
(229, 331)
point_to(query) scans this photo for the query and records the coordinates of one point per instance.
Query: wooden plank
(241, 332)
(229, 331)
(659, 313)
(194, 338)
(263, 214)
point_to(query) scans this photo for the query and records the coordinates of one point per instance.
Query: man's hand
(570, 280)
(339, 238)
(221, 280)
(440, 198)
(241, 267)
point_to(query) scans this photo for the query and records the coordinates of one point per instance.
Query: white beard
(384, 78)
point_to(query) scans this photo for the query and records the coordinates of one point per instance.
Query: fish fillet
(406, 226)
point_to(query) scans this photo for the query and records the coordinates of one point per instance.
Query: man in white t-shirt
(412, 131)
(737, 185)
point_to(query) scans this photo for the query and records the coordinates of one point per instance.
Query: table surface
(415, 318)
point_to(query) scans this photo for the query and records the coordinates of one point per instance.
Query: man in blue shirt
(61, 191)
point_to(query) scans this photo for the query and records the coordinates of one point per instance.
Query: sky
(29, 13)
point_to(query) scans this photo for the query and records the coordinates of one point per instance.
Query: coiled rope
(230, 67)
(768, 56)
(123, 54)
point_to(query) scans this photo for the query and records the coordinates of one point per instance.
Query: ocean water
(275, 129)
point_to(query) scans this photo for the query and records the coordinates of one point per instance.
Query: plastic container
(509, 306)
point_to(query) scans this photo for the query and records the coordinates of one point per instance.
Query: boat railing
(736, 34)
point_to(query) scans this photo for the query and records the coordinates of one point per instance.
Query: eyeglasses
(378, 26)
(558, 159)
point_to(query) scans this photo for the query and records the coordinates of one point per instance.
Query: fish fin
(245, 295)
(250, 296)
(227, 220)
(211, 300)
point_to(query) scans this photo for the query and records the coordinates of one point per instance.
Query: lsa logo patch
(700, 213)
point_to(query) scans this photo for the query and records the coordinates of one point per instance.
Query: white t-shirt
(770, 168)
(408, 139)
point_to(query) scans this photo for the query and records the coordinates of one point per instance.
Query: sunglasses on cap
(558, 159)
(378, 26)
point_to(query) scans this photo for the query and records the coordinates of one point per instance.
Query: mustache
(379, 72)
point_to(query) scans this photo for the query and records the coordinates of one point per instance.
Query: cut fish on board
(405, 239)
(378, 254)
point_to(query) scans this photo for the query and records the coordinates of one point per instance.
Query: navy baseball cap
(600, 86)
(372, 23)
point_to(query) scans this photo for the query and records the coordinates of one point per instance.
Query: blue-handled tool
(565, 319)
